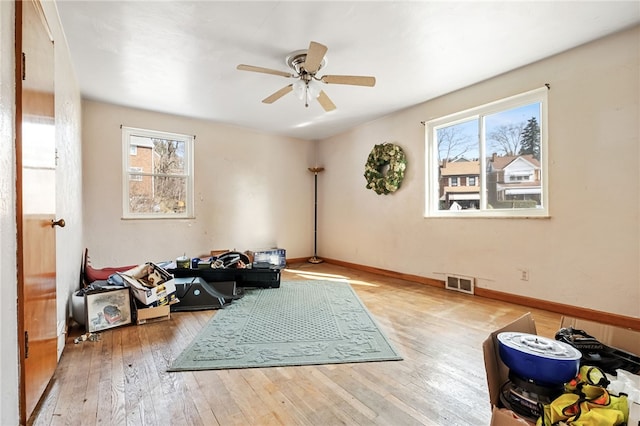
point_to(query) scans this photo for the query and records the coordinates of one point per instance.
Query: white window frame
(127, 172)
(432, 195)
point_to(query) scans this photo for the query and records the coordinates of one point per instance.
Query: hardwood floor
(121, 378)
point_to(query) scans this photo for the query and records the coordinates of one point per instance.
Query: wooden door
(36, 170)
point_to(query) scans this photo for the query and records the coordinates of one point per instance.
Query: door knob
(59, 222)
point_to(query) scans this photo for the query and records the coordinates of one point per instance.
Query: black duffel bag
(598, 354)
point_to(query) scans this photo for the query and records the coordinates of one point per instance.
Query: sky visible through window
(460, 141)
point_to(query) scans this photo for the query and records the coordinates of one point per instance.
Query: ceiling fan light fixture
(313, 89)
(308, 87)
(307, 91)
(296, 59)
(299, 89)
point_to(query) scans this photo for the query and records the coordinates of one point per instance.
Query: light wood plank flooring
(121, 379)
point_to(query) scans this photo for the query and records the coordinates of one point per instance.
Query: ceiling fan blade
(326, 103)
(277, 95)
(355, 80)
(315, 55)
(244, 67)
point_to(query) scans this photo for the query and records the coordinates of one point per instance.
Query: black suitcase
(243, 277)
(195, 294)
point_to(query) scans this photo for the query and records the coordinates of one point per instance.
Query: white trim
(188, 140)
(465, 197)
(522, 191)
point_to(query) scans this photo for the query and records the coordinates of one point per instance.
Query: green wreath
(381, 179)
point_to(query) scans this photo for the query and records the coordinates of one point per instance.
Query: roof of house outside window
(461, 168)
(141, 141)
(499, 163)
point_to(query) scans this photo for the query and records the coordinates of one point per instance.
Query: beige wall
(8, 309)
(68, 199)
(69, 248)
(586, 254)
(252, 190)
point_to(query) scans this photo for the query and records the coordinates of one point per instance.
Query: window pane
(514, 170)
(40, 151)
(140, 154)
(459, 165)
(489, 161)
(168, 157)
(159, 156)
(157, 194)
(158, 174)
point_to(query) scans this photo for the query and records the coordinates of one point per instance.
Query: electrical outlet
(524, 274)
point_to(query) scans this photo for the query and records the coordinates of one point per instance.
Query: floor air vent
(460, 283)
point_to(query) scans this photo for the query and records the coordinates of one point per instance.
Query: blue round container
(545, 361)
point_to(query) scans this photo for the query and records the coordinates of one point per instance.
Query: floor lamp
(315, 258)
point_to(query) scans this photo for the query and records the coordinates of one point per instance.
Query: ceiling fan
(305, 64)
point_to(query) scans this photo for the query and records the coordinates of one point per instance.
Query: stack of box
(154, 290)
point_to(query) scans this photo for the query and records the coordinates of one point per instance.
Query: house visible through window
(158, 174)
(499, 150)
(135, 173)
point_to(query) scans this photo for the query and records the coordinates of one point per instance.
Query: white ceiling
(180, 57)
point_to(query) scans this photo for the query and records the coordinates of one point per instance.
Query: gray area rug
(300, 323)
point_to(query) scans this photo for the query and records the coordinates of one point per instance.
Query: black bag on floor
(595, 353)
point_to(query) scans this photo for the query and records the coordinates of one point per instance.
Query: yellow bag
(587, 375)
(560, 409)
(586, 403)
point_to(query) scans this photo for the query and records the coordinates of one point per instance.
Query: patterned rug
(300, 323)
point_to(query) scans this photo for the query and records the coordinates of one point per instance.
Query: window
(501, 148)
(158, 174)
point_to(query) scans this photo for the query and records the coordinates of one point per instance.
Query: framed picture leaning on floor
(107, 309)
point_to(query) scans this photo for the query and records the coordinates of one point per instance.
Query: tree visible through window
(158, 170)
(498, 150)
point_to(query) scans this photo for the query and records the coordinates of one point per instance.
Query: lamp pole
(315, 258)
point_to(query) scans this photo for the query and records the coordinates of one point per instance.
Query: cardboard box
(504, 417)
(138, 279)
(153, 314)
(497, 372)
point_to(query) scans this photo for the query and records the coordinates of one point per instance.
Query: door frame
(24, 398)
(19, 213)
